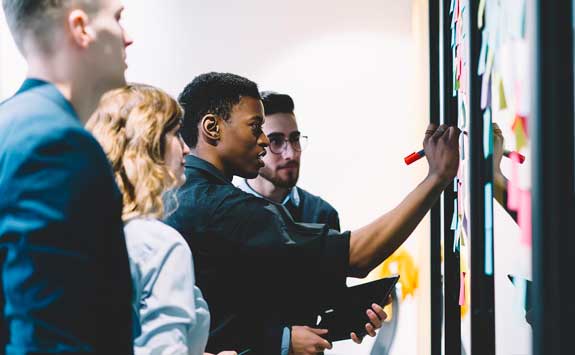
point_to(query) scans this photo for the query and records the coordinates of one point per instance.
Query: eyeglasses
(278, 143)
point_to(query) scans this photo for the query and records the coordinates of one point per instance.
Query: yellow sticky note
(520, 135)
(501, 89)
(480, 12)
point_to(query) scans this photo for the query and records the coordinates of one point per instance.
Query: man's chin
(248, 174)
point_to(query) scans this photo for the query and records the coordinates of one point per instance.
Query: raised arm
(373, 243)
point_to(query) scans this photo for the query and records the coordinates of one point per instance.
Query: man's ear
(79, 28)
(210, 127)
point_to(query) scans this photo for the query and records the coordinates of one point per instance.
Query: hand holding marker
(413, 157)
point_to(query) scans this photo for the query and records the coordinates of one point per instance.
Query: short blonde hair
(131, 124)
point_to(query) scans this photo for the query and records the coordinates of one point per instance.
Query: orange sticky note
(519, 127)
(462, 289)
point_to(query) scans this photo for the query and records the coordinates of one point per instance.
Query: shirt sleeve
(172, 310)
(333, 220)
(286, 341)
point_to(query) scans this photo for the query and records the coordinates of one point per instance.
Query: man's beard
(276, 180)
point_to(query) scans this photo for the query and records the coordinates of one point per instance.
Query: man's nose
(289, 152)
(263, 140)
(128, 40)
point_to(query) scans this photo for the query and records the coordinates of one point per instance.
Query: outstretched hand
(441, 146)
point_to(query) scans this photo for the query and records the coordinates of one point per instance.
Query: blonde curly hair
(131, 124)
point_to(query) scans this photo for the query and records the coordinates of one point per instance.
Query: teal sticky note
(455, 241)
(487, 134)
(489, 229)
(523, 18)
(452, 6)
(454, 219)
(455, 184)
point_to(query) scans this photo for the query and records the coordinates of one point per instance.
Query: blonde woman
(138, 127)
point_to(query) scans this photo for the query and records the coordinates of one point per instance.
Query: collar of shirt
(50, 91)
(292, 196)
(196, 163)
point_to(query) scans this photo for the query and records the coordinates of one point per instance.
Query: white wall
(349, 67)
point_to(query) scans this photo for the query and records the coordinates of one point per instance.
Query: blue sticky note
(455, 184)
(523, 18)
(489, 229)
(483, 54)
(489, 205)
(522, 286)
(455, 241)
(452, 6)
(454, 219)
(453, 38)
(487, 134)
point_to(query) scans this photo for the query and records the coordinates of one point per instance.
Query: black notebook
(348, 313)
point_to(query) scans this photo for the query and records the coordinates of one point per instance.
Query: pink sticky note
(524, 217)
(462, 289)
(513, 191)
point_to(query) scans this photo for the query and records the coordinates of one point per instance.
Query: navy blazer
(64, 264)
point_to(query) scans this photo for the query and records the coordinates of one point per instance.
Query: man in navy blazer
(65, 275)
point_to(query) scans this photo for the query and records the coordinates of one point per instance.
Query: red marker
(413, 157)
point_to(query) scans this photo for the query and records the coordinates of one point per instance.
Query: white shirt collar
(292, 196)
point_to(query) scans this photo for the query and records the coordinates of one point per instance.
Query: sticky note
(489, 229)
(462, 146)
(455, 184)
(522, 289)
(452, 6)
(480, 13)
(454, 218)
(487, 134)
(523, 21)
(524, 217)
(454, 76)
(455, 241)
(501, 90)
(462, 289)
(486, 80)
(458, 68)
(519, 128)
(513, 191)
(462, 116)
(483, 53)
(489, 205)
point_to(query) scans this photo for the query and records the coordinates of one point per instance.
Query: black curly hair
(212, 93)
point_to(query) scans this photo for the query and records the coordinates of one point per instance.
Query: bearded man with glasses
(278, 178)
